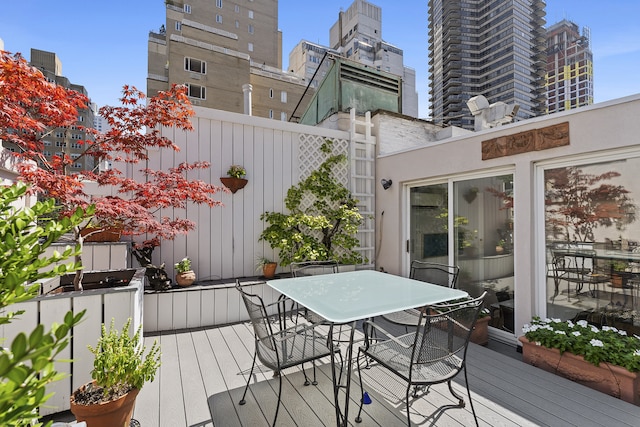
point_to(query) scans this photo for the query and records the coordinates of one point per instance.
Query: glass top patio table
(354, 295)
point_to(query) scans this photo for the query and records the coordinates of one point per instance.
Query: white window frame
(283, 96)
(250, 14)
(187, 8)
(271, 93)
(250, 47)
(190, 62)
(218, 18)
(202, 94)
(271, 114)
(250, 29)
(178, 26)
(219, 4)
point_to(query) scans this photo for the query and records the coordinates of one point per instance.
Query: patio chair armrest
(294, 331)
(384, 331)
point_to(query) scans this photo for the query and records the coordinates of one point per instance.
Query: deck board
(204, 371)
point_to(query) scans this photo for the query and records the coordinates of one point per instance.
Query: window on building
(250, 13)
(80, 118)
(59, 134)
(178, 26)
(219, 3)
(283, 96)
(237, 9)
(47, 143)
(283, 116)
(187, 8)
(250, 29)
(237, 24)
(271, 114)
(219, 19)
(196, 91)
(250, 47)
(270, 93)
(195, 65)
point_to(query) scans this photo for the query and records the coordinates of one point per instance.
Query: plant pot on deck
(116, 412)
(480, 333)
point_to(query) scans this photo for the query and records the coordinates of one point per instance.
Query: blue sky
(103, 45)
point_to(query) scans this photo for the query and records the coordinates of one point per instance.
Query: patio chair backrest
(444, 332)
(259, 318)
(313, 268)
(431, 272)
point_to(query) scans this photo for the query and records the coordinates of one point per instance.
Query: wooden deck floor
(203, 373)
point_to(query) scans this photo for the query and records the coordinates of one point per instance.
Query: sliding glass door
(477, 237)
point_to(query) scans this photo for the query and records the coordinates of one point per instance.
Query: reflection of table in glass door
(346, 297)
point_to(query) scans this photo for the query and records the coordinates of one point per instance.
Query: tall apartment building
(569, 78)
(357, 36)
(493, 48)
(63, 140)
(228, 53)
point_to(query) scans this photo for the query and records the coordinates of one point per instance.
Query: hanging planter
(235, 181)
(233, 184)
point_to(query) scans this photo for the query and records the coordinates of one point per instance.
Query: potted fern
(120, 369)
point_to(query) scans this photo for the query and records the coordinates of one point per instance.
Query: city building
(486, 47)
(357, 36)
(228, 53)
(569, 78)
(66, 140)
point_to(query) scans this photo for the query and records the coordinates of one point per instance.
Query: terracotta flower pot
(606, 378)
(480, 334)
(185, 279)
(269, 270)
(108, 414)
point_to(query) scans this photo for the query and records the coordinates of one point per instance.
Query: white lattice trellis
(357, 174)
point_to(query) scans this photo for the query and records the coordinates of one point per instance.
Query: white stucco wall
(593, 130)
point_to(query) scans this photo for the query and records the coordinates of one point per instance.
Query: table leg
(341, 415)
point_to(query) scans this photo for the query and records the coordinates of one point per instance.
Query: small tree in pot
(120, 369)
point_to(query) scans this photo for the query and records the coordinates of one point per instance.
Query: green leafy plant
(323, 218)
(27, 364)
(606, 344)
(183, 265)
(120, 364)
(262, 261)
(236, 171)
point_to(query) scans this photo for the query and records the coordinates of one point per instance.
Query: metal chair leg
(466, 381)
(242, 401)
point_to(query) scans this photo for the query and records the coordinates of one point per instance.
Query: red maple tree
(31, 108)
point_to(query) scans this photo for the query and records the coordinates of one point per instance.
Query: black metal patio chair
(435, 353)
(311, 268)
(430, 272)
(278, 348)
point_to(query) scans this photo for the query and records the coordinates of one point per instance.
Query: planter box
(102, 305)
(199, 306)
(606, 378)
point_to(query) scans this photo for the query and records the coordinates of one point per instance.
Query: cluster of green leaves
(120, 361)
(606, 344)
(236, 171)
(27, 364)
(183, 265)
(324, 230)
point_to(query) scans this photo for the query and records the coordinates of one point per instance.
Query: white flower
(561, 332)
(556, 320)
(576, 333)
(596, 343)
(583, 323)
(636, 353)
(622, 333)
(570, 323)
(594, 329)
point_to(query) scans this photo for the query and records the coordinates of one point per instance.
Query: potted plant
(323, 230)
(619, 274)
(267, 266)
(120, 369)
(235, 179)
(606, 359)
(500, 246)
(185, 276)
